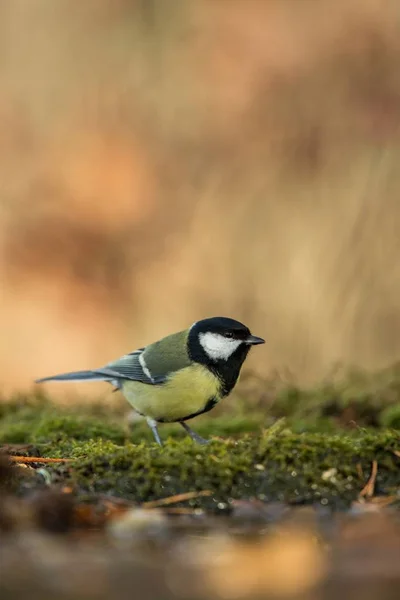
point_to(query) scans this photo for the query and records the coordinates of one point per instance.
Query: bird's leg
(195, 436)
(153, 426)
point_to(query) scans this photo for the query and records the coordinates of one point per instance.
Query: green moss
(313, 454)
(390, 416)
(44, 423)
(278, 465)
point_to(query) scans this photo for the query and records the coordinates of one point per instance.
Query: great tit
(180, 376)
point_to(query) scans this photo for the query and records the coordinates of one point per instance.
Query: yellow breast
(186, 393)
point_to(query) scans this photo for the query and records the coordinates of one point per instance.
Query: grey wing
(132, 367)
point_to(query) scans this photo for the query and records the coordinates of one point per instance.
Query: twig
(37, 459)
(175, 499)
(369, 488)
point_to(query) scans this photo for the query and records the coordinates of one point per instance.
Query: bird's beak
(253, 340)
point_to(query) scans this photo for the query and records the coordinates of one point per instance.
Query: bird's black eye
(229, 334)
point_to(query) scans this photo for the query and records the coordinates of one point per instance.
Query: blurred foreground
(355, 557)
(165, 161)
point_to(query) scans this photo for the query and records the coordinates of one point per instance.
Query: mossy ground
(321, 451)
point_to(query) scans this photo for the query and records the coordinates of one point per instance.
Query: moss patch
(277, 465)
(318, 453)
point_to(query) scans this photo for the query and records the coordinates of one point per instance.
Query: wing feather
(152, 364)
(132, 367)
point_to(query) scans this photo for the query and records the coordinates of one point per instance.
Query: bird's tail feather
(77, 376)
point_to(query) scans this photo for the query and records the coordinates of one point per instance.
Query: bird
(179, 377)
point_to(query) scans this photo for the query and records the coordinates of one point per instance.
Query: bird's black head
(222, 345)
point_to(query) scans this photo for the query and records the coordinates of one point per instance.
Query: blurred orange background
(161, 162)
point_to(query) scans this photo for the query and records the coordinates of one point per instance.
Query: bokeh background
(166, 160)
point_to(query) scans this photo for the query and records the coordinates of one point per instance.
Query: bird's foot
(195, 436)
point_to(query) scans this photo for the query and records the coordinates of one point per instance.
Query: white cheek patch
(218, 347)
